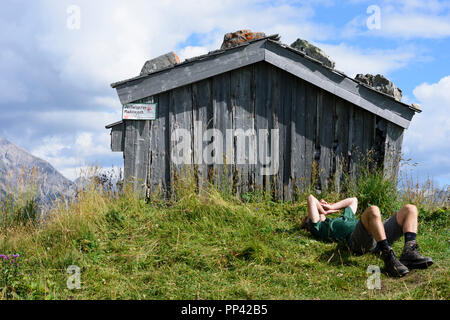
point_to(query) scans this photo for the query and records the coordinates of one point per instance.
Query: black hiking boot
(391, 264)
(412, 258)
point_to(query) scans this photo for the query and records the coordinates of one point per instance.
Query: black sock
(383, 245)
(409, 236)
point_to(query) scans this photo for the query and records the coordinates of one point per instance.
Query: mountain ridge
(18, 167)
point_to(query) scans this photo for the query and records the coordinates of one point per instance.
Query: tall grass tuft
(20, 204)
(372, 188)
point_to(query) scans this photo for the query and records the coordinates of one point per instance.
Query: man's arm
(349, 202)
(316, 212)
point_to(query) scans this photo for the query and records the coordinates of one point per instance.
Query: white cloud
(427, 140)
(49, 147)
(87, 145)
(405, 19)
(68, 152)
(110, 102)
(77, 120)
(354, 60)
(415, 25)
(116, 39)
(12, 90)
(191, 51)
(84, 141)
(436, 94)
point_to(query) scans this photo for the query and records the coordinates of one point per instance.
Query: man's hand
(335, 207)
(326, 206)
(330, 211)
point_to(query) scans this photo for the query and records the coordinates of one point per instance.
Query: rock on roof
(161, 62)
(380, 83)
(234, 39)
(313, 52)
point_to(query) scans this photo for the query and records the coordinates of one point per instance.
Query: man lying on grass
(369, 233)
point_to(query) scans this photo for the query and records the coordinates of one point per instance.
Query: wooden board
(243, 125)
(369, 132)
(326, 137)
(158, 181)
(285, 118)
(117, 138)
(310, 132)
(261, 125)
(265, 106)
(203, 120)
(341, 142)
(393, 150)
(223, 120)
(298, 155)
(180, 116)
(136, 153)
(357, 150)
(276, 180)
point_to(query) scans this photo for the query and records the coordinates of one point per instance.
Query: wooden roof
(282, 56)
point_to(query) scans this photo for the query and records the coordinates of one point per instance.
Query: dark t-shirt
(337, 229)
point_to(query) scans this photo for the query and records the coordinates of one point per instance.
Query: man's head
(305, 223)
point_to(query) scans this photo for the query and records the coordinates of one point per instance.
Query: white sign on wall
(139, 111)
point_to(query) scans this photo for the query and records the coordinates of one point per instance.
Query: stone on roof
(313, 52)
(161, 62)
(234, 39)
(381, 83)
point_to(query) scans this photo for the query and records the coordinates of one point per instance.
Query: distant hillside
(16, 169)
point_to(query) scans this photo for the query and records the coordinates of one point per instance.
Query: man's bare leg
(407, 218)
(372, 222)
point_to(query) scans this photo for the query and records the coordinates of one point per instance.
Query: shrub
(372, 188)
(27, 213)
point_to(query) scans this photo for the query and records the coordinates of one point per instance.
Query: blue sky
(55, 97)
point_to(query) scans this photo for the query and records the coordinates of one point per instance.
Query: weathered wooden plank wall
(321, 137)
(298, 136)
(136, 150)
(158, 178)
(203, 120)
(222, 173)
(117, 138)
(243, 120)
(392, 150)
(342, 141)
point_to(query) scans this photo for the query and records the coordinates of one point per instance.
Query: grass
(208, 246)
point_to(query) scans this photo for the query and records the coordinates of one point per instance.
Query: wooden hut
(323, 121)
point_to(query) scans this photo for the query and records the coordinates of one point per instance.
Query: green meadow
(208, 244)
